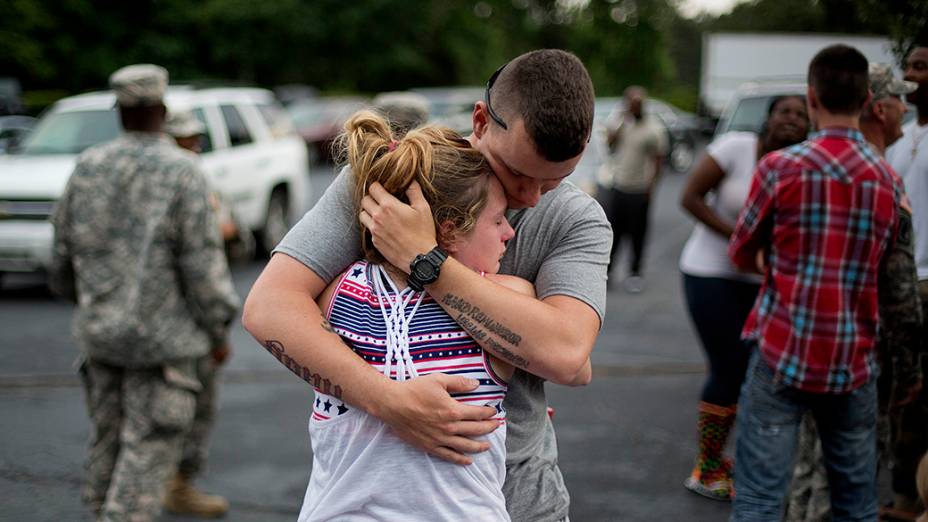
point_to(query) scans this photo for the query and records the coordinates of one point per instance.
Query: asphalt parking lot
(626, 441)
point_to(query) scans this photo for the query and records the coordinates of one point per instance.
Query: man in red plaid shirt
(817, 222)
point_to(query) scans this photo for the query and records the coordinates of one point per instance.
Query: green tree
(906, 22)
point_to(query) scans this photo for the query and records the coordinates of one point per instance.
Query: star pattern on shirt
(327, 405)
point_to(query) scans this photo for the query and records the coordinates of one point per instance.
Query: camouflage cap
(139, 85)
(183, 124)
(883, 84)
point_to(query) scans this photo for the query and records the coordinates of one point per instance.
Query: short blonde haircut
(453, 175)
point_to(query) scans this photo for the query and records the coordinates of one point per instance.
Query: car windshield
(750, 114)
(71, 132)
(307, 115)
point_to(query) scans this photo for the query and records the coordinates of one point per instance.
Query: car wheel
(682, 156)
(276, 221)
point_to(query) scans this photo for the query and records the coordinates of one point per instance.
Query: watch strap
(435, 258)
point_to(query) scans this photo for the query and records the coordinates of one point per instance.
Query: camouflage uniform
(909, 427)
(901, 316)
(195, 446)
(183, 124)
(137, 246)
(808, 497)
(907, 408)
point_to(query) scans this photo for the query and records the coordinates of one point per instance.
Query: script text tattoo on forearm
(478, 324)
(320, 383)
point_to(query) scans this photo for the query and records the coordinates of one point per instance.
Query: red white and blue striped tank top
(361, 469)
(436, 342)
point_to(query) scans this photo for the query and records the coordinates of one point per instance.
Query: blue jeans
(769, 414)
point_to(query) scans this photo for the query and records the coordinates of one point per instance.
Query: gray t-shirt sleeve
(577, 265)
(327, 239)
(576, 254)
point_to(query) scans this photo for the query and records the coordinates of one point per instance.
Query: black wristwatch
(425, 268)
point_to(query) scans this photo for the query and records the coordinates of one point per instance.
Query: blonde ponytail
(452, 174)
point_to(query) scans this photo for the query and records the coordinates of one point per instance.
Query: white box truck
(732, 59)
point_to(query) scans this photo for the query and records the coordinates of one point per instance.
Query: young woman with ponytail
(360, 467)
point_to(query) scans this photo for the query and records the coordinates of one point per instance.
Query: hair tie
(393, 145)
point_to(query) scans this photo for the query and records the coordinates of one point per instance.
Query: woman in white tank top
(718, 295)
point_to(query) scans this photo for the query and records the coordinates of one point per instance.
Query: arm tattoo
(459, 304)
(480, 335)
(501, 351)
(327, 326)
(324, 385)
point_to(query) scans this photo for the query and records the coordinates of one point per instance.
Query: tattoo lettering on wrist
(276, 348)
(459, 304)
(503, 353)
(480, 335)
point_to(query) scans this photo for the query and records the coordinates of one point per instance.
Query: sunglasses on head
(490, 83)
(493, 115)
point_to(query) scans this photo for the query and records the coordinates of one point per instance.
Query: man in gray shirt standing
(532, 133)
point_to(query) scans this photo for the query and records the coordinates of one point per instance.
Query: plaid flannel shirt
(823, 212)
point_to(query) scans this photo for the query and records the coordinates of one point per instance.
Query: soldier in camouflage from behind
(181, 496)
(137, 247)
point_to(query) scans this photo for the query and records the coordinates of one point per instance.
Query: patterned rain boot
(183, 498)
(711, 476)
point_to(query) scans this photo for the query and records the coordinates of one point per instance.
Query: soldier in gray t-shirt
(562, 244)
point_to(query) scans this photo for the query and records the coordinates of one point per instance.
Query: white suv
(250, 155)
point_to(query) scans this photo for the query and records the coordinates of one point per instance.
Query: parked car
(452, 107)
(258, 170)
(747, 109)
(13, 130)
(404, 110)
(295, 93)
(319, 121)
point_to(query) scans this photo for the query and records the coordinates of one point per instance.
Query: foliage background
(58, 47)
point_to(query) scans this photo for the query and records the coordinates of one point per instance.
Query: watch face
(425, 270)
